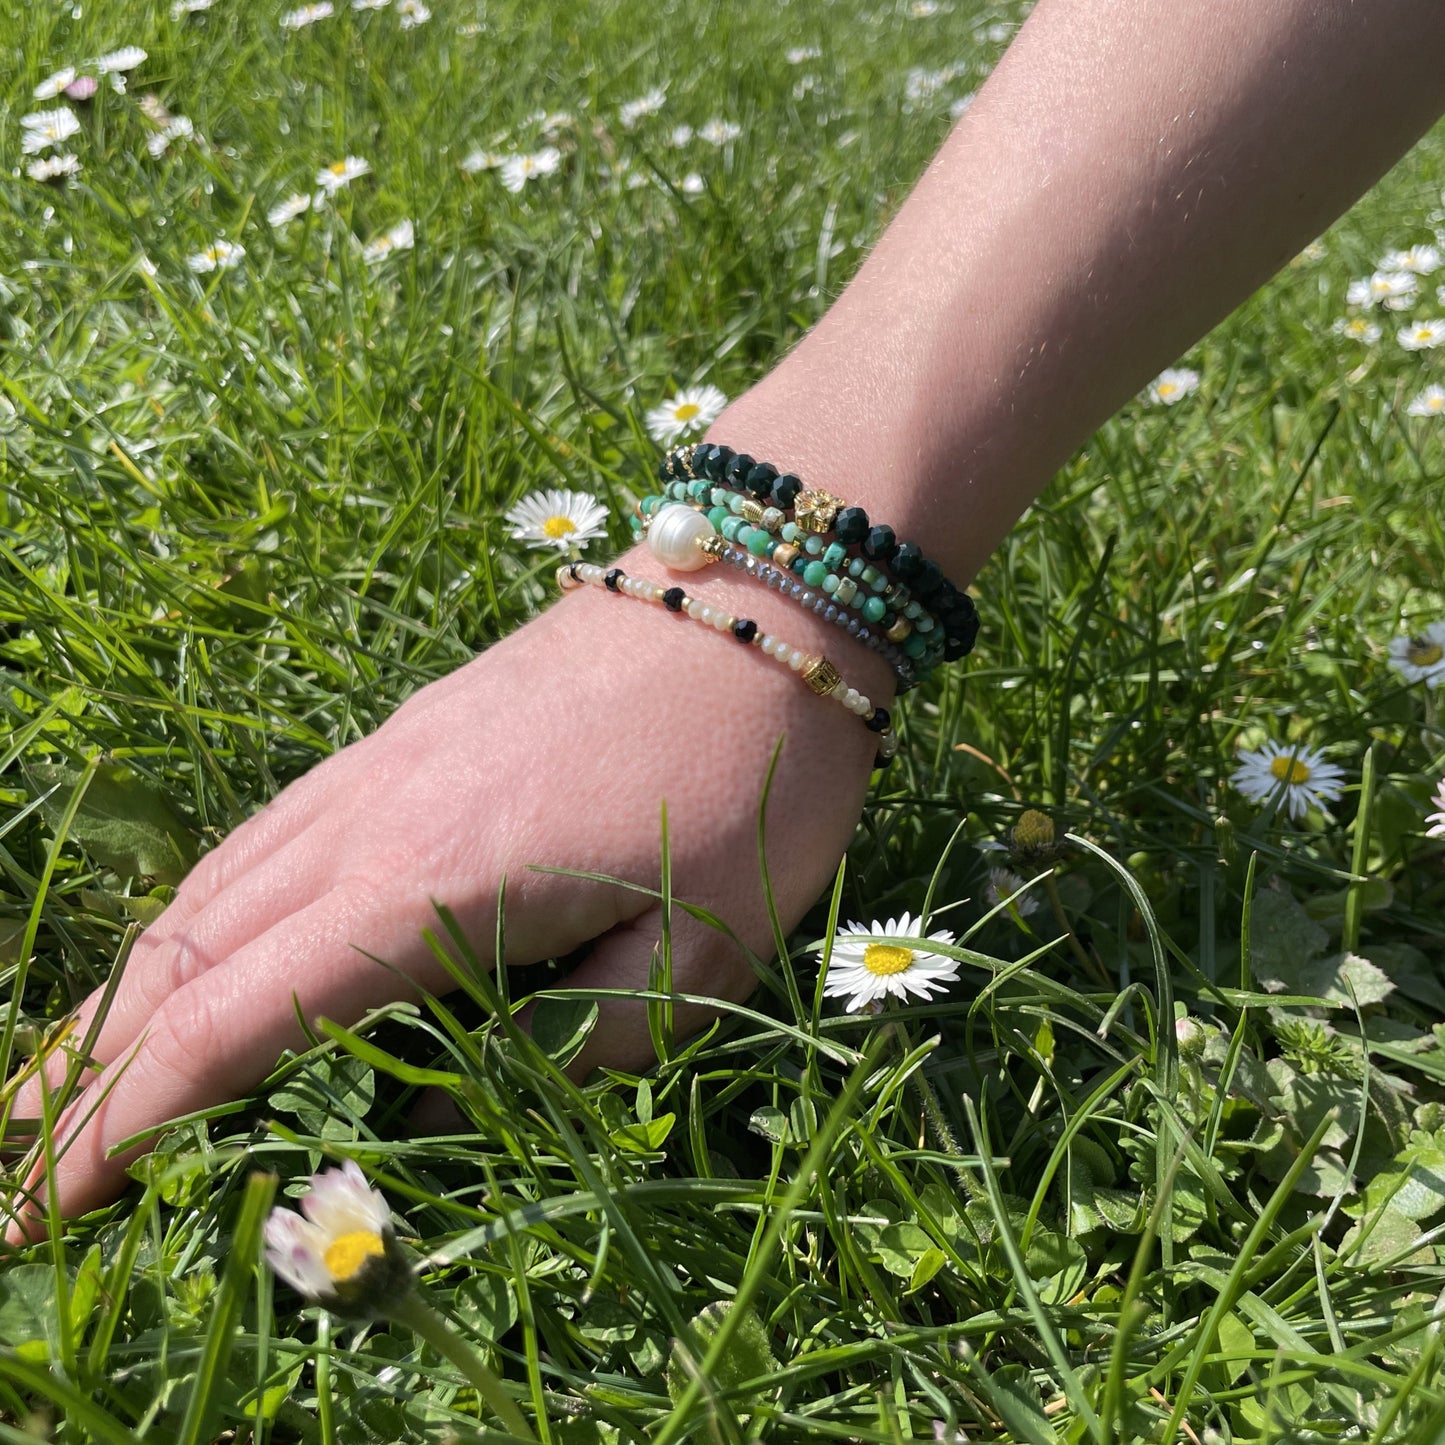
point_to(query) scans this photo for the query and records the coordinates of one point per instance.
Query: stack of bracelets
(717, 505)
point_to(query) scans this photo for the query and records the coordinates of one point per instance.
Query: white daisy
(1357, 328)
(1300, 772)
(178, 127)
(801, 54)
(1422, 335)
(400, 237)
(307, 15)
(126, 58)
(296, 204)
(45, 128)
(961, 104)
(340, 174)
(1421, 260)
(413, 13)
(54, 168)
(181, 8)
(218, 256)
(52, 85)
(1311, 255)
(692, 184)
(1437, 820)
(1393, 290)
(557, 518)
(343, 1254)
(1005, 886)
(866, 973)
(922, 84)
(923, 9)
(692, 409)
(483, 161)
(1430, 402)
(518, 170)
(370, 4)
(632, 111)
(720, 132)
(1421, 656)
(1173, 384)
(681, 135)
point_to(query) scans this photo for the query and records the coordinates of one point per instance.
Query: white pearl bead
(850, 698)
(675, 536)
(768, 643)
(797, 659)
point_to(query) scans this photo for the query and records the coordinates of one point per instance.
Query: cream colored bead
(675, 537)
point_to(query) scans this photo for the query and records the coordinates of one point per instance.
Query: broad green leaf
(1415, 1190)
(560, 1027)
(1283, 938)
(27, 1306)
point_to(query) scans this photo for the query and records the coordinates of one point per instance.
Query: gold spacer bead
(751, 511)
(784, 555)
(821, 675)
(815, 511)
(685, 456)
(712, 547)
(899, 630)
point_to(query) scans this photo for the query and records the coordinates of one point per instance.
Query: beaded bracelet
(815, 670)
(818, 512)
(674, 528)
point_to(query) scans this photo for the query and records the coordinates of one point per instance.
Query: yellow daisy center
(686, 411)
(555, 527)
(347, 1254)
(1424, 653)
(1167, 388)
(338, 168)
(1033, 829)
(1290, 770)
(884, 959)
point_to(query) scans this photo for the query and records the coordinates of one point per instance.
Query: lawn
(1165, 1161)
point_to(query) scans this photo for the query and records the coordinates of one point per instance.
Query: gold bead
(899, 630)
(821, 675)
(751, 511)
(784, 554)
(815, 511)
(712, 547)
(685, 455)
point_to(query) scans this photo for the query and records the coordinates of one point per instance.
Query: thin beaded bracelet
(815, 670)
(817, 512)
(668, 535)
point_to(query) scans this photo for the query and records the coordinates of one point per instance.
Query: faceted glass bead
(785, 490)
(906, 560)
(880, 543)
(851, 525)
(737, 470)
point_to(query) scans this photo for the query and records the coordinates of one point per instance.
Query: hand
(554, 747)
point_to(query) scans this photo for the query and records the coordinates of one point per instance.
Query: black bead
(737, 469)
(880, 543)
(785, 491)
(664, 473)
(928, 580)
(760, 479)
(851, 525)
(673, 599)
(717, 462)
(880, 762)
(878, 721)
(945, 598)
(745, 630)
(572, 571)
(906, 560)
(676, 466)
(960, 644)
(699, 458)
(612, 578)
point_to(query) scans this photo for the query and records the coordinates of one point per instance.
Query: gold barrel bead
(751, 511)
(820, 675)
(784, 555)
(899, 630)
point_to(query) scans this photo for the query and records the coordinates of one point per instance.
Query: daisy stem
(416, 1313)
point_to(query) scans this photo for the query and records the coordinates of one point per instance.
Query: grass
(246, 513)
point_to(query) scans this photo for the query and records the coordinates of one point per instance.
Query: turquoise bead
(913, 612)
(651, 504)
(830, 584)
(813, 545)
(720, 496)
(836, 554)
(857, 567)
(736, 501)
(814, 573)
(873, 578)
(635, 523)
(731, 527)
(760, 544)
(717, 516)
(698, 490)
(790, 532)
(924, 624)
(874, 609)
(745, 535)
(915, 646)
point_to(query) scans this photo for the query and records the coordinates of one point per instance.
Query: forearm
(1130, 173)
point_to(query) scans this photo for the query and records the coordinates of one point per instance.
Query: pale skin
(1130, 173)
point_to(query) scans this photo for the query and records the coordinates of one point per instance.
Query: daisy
(181, 8)
(1421, 260)
(518, 170)
(413, 13)
(1437, 820)
(1392, 289)
(1357, 328)
(1421, 335)
(52, 85)
(1312, 254)
(343, 1254)
(218, 256)
(961, 104)
(866, 973)
(401, 237)
(692, 409)
(720, 132)
(483, 161)
(567, 521)
(83, 87)
(801, 54)
(1421, 657)
(126, 58)
(307, 15)
(692, 184)
(1173, 384)
(296, 204)
(1007, 887)
(45, 128)
(923, 9)
(370, 4)
(1430, 402)
(178, 127)
(54, 168)
(632, 111)
(681, 135)
(1301, 772)
(340, 174)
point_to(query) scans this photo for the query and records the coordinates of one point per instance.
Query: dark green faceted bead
(736, 472)
(906, 560)
(785, 491)
(880, 544)
(851, 525)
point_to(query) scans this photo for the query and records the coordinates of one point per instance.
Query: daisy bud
(1190, 1034)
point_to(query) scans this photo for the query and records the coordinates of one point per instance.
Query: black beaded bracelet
(820, 512)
